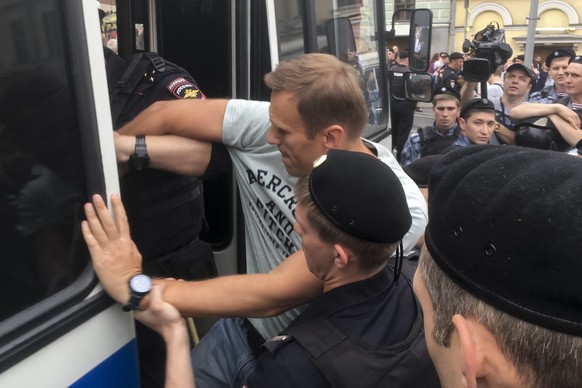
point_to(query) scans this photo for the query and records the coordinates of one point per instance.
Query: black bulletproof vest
(165, 210)
(345, 363)
(430, 144)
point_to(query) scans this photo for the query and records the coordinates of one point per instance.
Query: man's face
(289, 134)
(516, 83)
(390, 56)
(456, 63)
(574, 81)
(557, 71)
(318, 254)
(478, 127)
(446, 113)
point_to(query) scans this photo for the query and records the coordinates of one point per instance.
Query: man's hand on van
(115, 256)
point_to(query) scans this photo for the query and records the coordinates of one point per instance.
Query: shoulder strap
(425, 134)
(131, 77)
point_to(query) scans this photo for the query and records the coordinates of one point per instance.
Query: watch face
(141, 283)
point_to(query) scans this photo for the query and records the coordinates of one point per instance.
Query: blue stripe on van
(120, 370)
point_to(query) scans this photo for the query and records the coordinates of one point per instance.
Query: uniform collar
(329, 303)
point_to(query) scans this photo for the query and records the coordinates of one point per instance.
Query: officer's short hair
(328, 92)
(501, 247)
(370, 220)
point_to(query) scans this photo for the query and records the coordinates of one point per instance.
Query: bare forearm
(468, 91)
(253, 295)
(571, 134)
(527, 109)
(170, 153)
(196, 119)
(505, 135)
(179, 372)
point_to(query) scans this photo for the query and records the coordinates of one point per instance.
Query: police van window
(42, 182)
(364, 57)
(289, 28)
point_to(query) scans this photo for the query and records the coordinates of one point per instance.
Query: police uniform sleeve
(285, 367)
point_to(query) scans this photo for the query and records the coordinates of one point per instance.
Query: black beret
(419, 170)
(533, 77)
(403, 54)
(456, 55)
(576, 59)
(505, 223)
(559, 53)
(361, 195)
(447, 90)
(476, 103)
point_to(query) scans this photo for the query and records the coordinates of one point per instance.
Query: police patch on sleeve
(182, 88)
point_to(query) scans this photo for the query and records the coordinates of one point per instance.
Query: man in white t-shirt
(271, 144)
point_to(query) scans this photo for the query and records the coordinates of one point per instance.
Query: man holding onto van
(316, 105)
(372, 313)
(499, 279)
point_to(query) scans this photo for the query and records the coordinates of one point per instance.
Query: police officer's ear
(333, 136)
(342, 257)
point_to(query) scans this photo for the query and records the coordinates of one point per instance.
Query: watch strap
(140, 159)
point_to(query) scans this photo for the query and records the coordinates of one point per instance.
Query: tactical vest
(165, 210)
(345, 363)
(431, 144)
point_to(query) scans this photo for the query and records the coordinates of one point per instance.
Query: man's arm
(116, 259)
(468, 91)
(505, 135)
(571, 134)
(526, 110)
(170, 153)
(195, 119)
(167, 321)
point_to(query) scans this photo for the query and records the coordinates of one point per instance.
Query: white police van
(57, 327)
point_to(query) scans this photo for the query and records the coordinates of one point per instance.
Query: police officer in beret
(363, 331)
(499, 277)
(477, 122)
(366, 329)
(433, 139)
(555, 86)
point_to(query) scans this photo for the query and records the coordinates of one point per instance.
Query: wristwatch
(139, 286)
(140, 159)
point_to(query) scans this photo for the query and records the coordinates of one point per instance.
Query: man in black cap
(555, 87)
(433, 139)
(367, 308)
(449, 76)
(499, 279)
(401, 110)
(477, 124)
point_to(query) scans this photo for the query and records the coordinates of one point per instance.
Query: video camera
(488, 50)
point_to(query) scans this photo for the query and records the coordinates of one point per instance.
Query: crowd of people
(332, 297)
(537, 106)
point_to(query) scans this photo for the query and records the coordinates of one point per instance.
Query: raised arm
(468, 91)
(176, 154)
(525, 110)
(116, 259)
(195, 119)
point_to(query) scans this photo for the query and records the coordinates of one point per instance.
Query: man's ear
(462, 124)
(342, 256)
(333, 136)
(469, 351)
